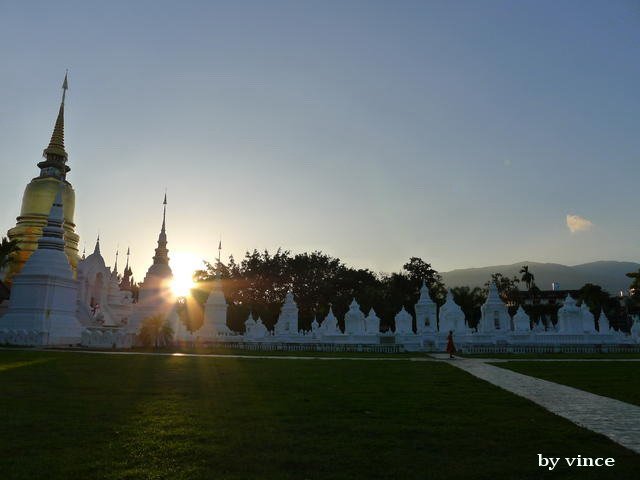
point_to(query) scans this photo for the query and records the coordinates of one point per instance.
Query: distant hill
(609, 274)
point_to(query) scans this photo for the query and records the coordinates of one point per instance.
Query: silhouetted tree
(507, 287)
(7, 249)
(527, 276)
(595, 297)
(634, 288)
(260, 282)
(470, 300)
(155, 332)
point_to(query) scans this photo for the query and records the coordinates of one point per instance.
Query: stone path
(617, 420)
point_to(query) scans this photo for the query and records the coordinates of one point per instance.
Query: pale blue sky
(462, 132)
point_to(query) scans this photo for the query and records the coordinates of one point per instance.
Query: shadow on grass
(97, 416)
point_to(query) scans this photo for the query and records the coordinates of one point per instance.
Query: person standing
(451, 348)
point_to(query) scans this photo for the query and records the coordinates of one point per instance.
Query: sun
(183, 264)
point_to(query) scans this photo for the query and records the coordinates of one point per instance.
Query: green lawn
(612, 379)
(560, 356)
(91, 416)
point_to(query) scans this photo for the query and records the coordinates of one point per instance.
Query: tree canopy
(261, 280)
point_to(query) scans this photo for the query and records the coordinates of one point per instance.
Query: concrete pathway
(617, 420)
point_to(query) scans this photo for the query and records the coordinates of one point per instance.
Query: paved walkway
(617, 420)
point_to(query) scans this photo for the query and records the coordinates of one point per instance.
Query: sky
(467, 133)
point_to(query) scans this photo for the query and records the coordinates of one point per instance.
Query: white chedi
(314, 325)
(635, 328)
(569, 317)
(330, 324)
(521, 321)
(260, 330)
(215, 314)
(100, 300)
(372, 323)
(287, 323)
(43, 302)
(451, 316)
(426, 312)
(404, 322)
(354, 320)
(249, 323)
(588, 319)
(255, 329)
(603, 323)
(494, 313)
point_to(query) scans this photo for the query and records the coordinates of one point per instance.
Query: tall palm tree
(527, 276)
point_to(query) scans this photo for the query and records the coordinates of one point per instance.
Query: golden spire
(56, 145)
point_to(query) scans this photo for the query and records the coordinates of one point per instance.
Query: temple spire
(97, 247)
(162, 254)
(164, 211)
(115, 264)
(56, 144)
(127, 278)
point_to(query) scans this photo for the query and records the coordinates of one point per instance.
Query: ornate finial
(97, 247)
(56, 144)
(84, 250)
(65, 85)
(164, 210)
(115, 265)
(126, 267)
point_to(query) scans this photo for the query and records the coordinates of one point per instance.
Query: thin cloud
(576, 223)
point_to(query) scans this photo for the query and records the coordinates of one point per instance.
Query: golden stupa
(38, 198)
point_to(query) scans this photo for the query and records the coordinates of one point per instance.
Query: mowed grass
(556, 356)
(612, 379)
(94, 416)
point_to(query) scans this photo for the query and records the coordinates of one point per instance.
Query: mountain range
(608, 274)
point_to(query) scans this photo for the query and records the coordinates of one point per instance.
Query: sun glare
(183, 264)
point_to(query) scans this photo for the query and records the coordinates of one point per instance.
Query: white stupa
(42, 306)
(372, 323)
(330, 324)
(452, 317)
(588, 319)
(354, 320)
(603, 324)
(495, 315)
(569, 317)
(155, 296)
(287, 323)
(215, 314)
(521, 321)
(426, 312)
(404, 322)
